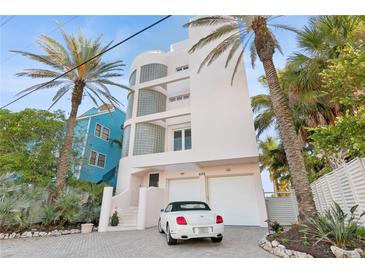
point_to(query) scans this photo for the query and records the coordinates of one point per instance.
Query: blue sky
(21, 32)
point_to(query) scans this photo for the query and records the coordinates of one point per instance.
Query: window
(92, 160)
(105, 134)
(182, 139)
(154, 178)
(97, 159)
(177, 140)
(98, 130)
(101, 160)
(102, 132)
(185, 67)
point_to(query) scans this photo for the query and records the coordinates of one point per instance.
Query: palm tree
(91, 79)
(272, 158)
(254, 31)
(320, 40)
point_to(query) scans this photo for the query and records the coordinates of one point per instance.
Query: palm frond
(44, 85)
(238, 63)
(216, 34)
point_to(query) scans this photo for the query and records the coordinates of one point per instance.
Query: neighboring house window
(98, 130)
(97, 159)
(105, 134)
(92, 160)
(179, 98)
(102, 132)
(182, 139)
(185, 67)
(101, 160)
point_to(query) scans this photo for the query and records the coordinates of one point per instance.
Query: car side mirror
(162, 210)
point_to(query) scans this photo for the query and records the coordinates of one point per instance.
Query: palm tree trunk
(290, 141)
(64, 160)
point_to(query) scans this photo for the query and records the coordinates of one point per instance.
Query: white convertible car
(186, 220)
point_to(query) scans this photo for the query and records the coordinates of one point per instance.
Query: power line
(6, 20)
(48, 33)
(88, 60)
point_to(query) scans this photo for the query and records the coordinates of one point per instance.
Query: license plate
(201, 230)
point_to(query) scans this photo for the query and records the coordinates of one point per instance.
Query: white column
(142, 208)
(105, 209)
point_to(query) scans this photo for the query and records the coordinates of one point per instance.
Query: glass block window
(132, 78)
(150, 101)
(126, 138)
(130, 105)
(152, 71)
(149, 138)
(92, 160)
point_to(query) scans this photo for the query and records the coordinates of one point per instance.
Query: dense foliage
(29, 144)
(344, 140)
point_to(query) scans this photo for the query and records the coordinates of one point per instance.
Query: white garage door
(184, 190)
(235, 199)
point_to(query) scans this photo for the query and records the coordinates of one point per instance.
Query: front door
(154, 177)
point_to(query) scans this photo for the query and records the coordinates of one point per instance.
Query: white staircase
(127, 220)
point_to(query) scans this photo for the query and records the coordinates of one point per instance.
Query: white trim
(182, 129)
(97, 159)
(101, 132)
(84, 116)
(84, 148)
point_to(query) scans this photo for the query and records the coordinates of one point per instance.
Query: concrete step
(121, 228)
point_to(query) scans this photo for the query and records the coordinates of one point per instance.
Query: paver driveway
(237, 242)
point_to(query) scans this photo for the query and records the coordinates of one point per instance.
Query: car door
(164, 216)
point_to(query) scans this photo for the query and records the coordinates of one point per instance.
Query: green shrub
(50, 214)
(275, 226)
(69, 206)
(334, 226)
(360, 232)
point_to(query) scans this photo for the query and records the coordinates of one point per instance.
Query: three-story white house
(188, 136)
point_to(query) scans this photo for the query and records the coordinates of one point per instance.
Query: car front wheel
(216, 239)
(169, 239)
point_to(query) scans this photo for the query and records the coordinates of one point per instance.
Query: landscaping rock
(12, 235)
(73, 231)
(342, 253)
(36, 234)
(281, 246)
(26, 234)
(274, 243)
(2, 236)
(65, 232)
(42, 234)
(280, 250)
(6, 236)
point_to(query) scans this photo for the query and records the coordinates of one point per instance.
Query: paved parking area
(237, 242)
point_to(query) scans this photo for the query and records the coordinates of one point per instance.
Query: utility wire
(6, 20)
(48, 33)
(88, 60)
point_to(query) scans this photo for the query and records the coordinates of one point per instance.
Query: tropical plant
(344, 77)
(275, 226)
(114, 220)
(272, 157)
(90, 78)
(69, 206)
(29, 142)
(233, 31)
(50, 214)
(334, 226)
(343, 140)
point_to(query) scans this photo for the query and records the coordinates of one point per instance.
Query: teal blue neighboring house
(98, 134)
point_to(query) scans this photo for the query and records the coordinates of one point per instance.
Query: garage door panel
(184, 190)
(235, 199)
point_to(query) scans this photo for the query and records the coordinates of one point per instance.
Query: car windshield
(183, 206)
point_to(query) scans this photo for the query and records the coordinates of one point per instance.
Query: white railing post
(105, 209)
